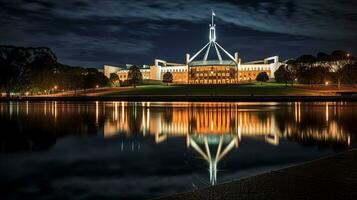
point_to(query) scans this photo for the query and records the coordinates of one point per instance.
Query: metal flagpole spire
(212, 33)
(213, 14)
(212, 44)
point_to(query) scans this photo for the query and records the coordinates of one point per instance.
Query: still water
(92, 150)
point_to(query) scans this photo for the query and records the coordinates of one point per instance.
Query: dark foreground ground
(333, 177)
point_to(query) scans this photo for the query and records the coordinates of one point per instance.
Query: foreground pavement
(333, 177)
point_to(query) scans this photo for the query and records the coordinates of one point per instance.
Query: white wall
(108, 69)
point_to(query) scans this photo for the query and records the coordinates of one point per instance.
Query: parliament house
(212, 64)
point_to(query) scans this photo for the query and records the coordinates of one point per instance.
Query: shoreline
(188, 98)
(330, 177)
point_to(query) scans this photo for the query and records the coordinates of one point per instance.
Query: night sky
(91, 33)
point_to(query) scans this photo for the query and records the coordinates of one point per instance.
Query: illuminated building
(212, 64)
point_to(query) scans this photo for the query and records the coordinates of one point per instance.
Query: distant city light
(348, 55)
(55, 87)
(326, 83)
(97, 86)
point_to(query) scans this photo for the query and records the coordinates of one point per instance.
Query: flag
(214, 14)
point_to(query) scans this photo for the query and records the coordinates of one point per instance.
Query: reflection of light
(297, 111)
(116, 111)
(55, 110)
(96, 112)
(122, 112)
(10, 109)
(326, 112)
(27, 107)
(187, 118)
(17, 109)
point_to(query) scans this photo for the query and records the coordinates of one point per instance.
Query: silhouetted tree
(13, 65)
(167, 78)
(94, 78)
(339, 59)
(350, 73)
(114, 79)
(282, 75)
(134, 76)
(262, 77)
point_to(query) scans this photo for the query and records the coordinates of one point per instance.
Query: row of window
(253, 68)
(213, 81)
(212, 74)
(174, 70)
(198, 69)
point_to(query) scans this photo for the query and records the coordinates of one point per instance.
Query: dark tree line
(167, 78)
(338, 67)
(36, 70)
(262, 77)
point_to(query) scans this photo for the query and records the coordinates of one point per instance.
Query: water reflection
(271, 122)
(212, 130)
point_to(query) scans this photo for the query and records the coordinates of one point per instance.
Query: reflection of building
(210, 65)
(214, 129)
(220, 118)
(203, 143)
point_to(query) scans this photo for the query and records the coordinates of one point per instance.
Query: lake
(141, 150)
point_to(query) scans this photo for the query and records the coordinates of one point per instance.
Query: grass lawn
(252, 89)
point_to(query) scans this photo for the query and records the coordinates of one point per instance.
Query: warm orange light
(326, 83)
(55, 87)
(97, 86)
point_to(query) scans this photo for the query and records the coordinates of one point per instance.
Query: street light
(55, 87)
(97, 86)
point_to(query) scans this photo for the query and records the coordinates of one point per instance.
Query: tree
(282, 75)
(94, 78)
(262, 77)
(14, 74)
(134, 76)
(167, 78)
(350, 73)
(114, 79)
(339, 59)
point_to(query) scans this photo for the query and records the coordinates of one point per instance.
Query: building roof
(213, 62)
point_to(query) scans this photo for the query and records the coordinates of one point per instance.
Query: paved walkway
(333, 177)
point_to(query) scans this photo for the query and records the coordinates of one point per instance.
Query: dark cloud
(137, 31)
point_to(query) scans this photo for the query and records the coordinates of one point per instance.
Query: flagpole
(212, 17)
